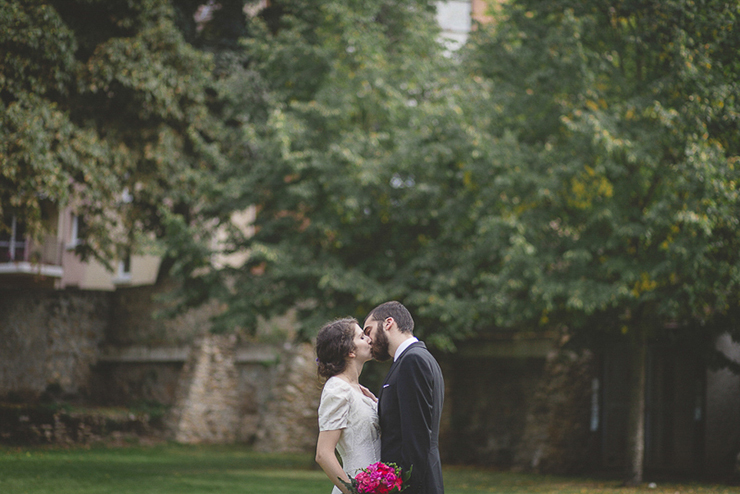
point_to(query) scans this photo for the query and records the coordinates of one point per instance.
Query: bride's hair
(333, 343)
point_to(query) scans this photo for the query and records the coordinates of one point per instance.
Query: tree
(622, 202)
(582, 174)
(43, 151)
(106, 110)
(357, 168)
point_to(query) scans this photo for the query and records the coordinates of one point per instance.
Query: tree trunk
(636, 420)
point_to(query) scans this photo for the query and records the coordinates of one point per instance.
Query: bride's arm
(327, 460)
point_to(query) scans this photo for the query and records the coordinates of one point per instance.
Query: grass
(170, 469)
(476, 481)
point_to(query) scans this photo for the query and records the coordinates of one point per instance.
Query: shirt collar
(403, 346)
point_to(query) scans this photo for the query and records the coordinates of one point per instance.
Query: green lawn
(170, 469)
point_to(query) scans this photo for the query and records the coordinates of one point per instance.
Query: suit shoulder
(419, 351)
(420, 356)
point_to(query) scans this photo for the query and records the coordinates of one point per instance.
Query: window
(76, 232)
(13, 240)
(123, 271)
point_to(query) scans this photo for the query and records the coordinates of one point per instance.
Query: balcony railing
(19, 256)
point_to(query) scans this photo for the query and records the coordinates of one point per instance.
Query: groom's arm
(416, 399)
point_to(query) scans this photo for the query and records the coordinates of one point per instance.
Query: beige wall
(480, 10)
(92, 274)
(242, 220)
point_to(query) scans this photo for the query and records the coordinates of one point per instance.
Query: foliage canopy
(360, 162)
(105, 109)
(628, 213)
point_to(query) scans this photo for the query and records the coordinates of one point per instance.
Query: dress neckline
(356, 389)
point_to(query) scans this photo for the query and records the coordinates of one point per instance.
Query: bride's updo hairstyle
(333, 343)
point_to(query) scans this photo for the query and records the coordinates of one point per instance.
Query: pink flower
(378, 478)
(398, 483)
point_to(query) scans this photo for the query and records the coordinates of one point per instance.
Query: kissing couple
(401, 425)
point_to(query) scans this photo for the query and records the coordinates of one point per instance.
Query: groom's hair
(397, 311)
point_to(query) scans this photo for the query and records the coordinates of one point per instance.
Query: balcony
(27, 257)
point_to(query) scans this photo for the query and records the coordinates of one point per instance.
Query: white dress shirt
(403, 346)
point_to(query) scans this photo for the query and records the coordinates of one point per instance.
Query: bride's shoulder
(336, 390)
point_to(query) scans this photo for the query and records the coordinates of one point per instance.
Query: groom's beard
(379, 349)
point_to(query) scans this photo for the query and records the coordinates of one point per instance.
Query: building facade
(51, 262)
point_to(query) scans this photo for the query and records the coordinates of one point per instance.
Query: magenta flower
(379, 478)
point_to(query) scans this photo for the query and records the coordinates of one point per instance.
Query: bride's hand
(368, 393)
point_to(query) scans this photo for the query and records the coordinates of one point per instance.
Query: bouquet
(378, 478)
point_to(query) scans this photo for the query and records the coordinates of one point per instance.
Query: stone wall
(226, 390)
(207, 403)
(49, 340)
(118, 382)
(290, 410)
(137, 319)
(106, 349)
(557, 436)
(487, 402)
(518, 403)
(24, 425)
(722, 412)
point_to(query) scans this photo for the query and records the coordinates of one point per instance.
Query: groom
(410, 401)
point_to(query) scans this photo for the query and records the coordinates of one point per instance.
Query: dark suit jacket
(410, 406)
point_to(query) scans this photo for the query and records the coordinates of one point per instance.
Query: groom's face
(379, 337)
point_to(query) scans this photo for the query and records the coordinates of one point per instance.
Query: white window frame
(74, 232)
(123, 271)
(13, 243)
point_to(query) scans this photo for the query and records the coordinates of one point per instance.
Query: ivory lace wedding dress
(345, 407)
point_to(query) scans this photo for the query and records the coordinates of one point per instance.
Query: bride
(348, 412)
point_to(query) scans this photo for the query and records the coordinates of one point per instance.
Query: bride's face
(363, 345)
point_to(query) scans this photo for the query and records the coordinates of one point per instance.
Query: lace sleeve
(334, 406)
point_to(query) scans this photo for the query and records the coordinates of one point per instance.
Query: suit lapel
(394, 366)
